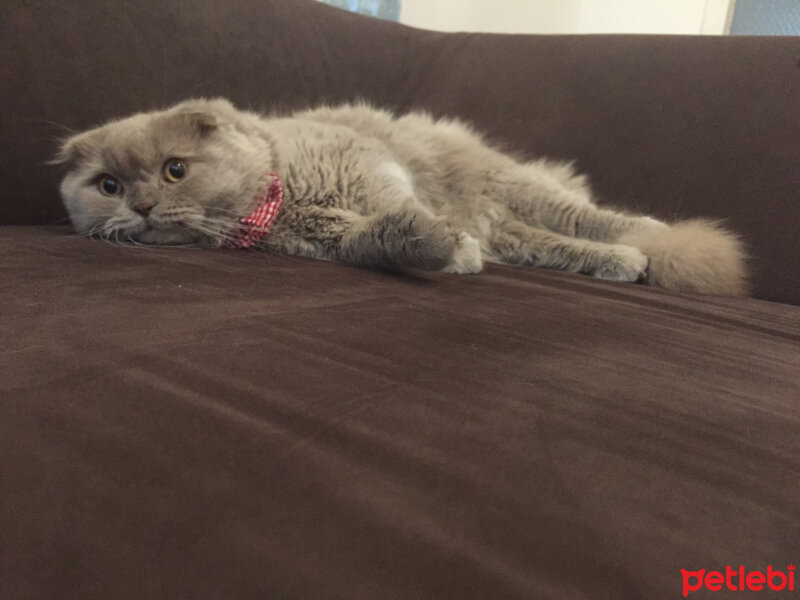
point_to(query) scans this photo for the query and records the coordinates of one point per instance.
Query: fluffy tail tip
(693, 256)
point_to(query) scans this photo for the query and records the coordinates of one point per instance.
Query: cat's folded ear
(201, 121)
(204, 116)
(74, 149)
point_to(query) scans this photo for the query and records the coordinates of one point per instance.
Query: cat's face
(181, 176)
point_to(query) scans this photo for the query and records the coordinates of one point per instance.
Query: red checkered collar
(255, 226)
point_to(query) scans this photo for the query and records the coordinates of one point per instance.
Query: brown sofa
(197, 424)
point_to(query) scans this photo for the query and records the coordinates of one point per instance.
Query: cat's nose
(143, 207)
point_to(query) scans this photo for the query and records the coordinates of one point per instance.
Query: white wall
(569, 16)
(653, 16)
(496, 16)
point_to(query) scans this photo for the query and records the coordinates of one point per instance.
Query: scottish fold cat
(366, 187)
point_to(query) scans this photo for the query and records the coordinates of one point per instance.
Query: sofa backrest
(669, 125)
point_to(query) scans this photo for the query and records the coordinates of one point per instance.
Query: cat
(366, 187)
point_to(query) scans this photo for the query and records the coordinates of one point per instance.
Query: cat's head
(179, 176)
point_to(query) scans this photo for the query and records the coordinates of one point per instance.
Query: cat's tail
(693, 256)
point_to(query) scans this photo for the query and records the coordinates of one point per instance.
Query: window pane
(383, 9)
(766, 17)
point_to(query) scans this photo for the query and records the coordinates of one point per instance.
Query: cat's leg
(606, 225)
(399, 237)
(551, 203)
(514, 242)
(390, 186)
(396, 238)
(698, 256)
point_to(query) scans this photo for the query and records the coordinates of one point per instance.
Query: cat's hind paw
(621, 263)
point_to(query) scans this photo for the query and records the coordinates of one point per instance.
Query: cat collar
(255, 226)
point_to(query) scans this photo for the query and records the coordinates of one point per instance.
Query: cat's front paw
(414, 239)
(621, 263)
(467, 257)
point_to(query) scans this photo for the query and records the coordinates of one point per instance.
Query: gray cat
(365, 187)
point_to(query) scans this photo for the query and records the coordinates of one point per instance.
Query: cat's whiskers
(96, 230)
(91, 233)
(104, 235)
(216, 229)
(230, 239)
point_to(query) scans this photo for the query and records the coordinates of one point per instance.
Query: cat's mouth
(146, 230)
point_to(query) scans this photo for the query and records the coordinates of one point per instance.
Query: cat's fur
(365, 187)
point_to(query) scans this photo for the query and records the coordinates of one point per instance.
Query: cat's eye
(109, 186)
(175, 169)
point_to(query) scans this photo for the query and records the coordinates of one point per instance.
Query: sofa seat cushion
(230, 424)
